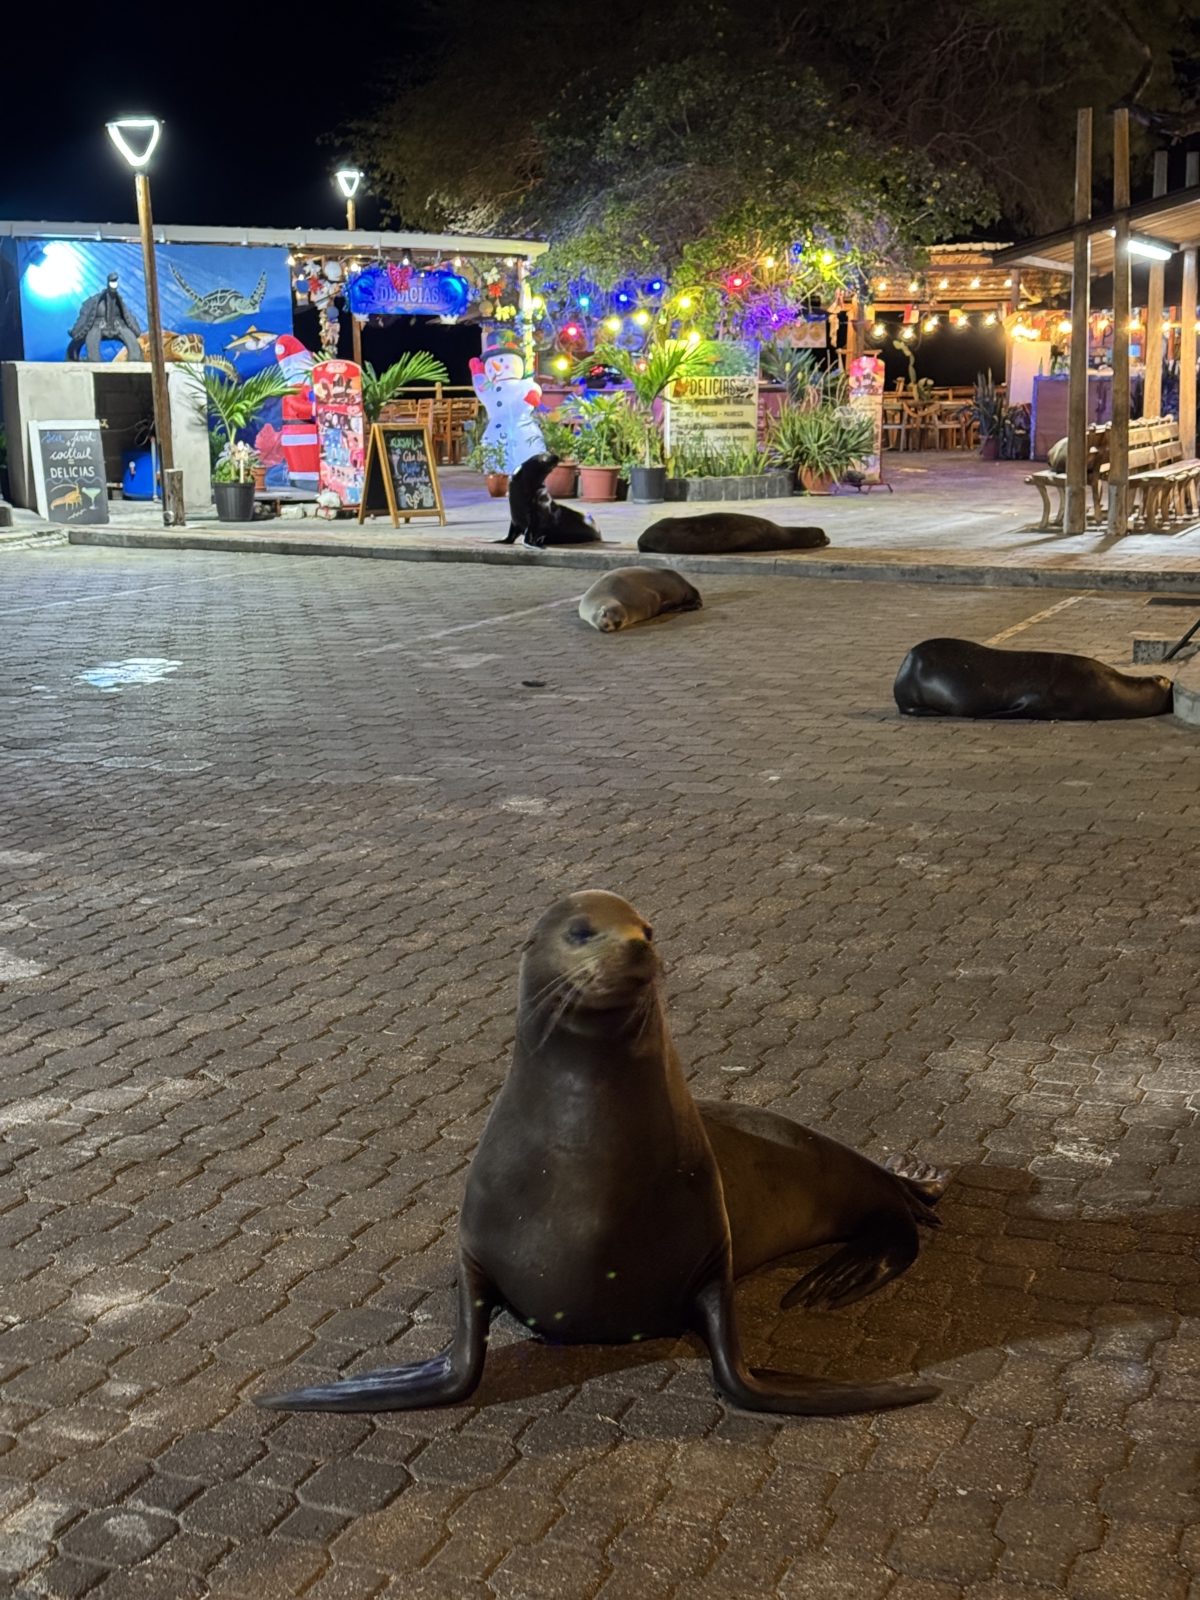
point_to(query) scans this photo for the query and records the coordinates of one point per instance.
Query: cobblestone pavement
(258, 933)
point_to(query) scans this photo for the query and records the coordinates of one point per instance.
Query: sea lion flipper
(925, 1180)
(450, 1376)
(767, 1390)
(856, 1270)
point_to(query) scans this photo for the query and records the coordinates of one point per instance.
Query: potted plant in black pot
(650, 375)
(231, 404)
(233, 482)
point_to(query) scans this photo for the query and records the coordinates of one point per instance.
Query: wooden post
(1152, 404)
(351, 215)
(1075, 515)
(173, 512)
(1187, 333)
(1118, 450)
(356, 339)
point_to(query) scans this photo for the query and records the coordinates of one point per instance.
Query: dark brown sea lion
(628, 595)
(603, 1205)
(534, 516)
(719, 533)
(958, 678)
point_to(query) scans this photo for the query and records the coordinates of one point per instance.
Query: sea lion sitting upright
(595, 1208)
(535, 516)
(628, 595)
(719, 533)
(958, 678)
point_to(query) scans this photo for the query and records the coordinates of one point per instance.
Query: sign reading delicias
(712, 414)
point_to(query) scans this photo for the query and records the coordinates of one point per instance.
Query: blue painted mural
(85, 299)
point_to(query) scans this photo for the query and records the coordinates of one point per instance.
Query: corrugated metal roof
(314, 240)
(1173, 218)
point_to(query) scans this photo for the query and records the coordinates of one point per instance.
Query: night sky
(242, 115)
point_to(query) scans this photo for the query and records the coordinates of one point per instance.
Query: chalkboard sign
(401, 477)
(68, 471)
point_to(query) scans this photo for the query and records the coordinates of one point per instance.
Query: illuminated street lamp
(348, 180)
(137, 139)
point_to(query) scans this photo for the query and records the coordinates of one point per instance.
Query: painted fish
(252, 339)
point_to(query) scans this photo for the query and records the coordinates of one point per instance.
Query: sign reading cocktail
(712, 414)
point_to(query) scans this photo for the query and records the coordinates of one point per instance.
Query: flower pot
(989, 448)
(497, 484)
(598, 483)
(816, 482)
(562, 483)
(647, 484)
(235, 501)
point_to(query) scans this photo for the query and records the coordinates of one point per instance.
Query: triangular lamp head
(136, 138)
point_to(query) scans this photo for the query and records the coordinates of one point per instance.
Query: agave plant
(796, 370)
(824, 440)
(418, 366)
(230, 404)
(650, 375)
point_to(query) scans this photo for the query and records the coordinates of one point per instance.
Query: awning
(1174, 219)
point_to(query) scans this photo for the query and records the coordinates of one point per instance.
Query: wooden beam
(1187, 334)
(1152, 403)
(1118, 450)
(1075, 515)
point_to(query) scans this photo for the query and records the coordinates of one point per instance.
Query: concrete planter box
(762, 486)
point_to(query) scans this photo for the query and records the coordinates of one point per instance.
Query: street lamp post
(137, 138)
(348, 180)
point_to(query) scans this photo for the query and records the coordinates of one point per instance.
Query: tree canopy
(669, 137)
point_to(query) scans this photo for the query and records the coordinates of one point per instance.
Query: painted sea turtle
(220, 305)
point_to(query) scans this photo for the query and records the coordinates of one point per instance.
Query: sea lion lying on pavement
(628, 595)
(604, 1205)
(958, 678)
(720, 533)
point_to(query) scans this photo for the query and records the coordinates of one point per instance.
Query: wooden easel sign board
(401, 476)
(69, 477)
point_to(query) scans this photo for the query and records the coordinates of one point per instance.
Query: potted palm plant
(649, 376)
(821, 443)
(600, 445)
(231, 404)
(380, 388)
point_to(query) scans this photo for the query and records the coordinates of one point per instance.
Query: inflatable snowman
(509, 398)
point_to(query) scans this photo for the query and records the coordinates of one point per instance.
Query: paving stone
(276, 902)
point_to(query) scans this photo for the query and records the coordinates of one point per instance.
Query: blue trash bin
(137, 474)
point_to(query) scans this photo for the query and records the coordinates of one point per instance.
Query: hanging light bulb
(913, 285)
(458, 261)
(693, 338)
(613, 324)
(827, 258)
(975, 283)
(561, 364)
(908, 335)
(685, 302)
(943, 283)
(879, 331)
(931, 323)
(768, 262)
(1065, 325)
(1008, 283)
(990, 320)
(641, 318)
(584, 302)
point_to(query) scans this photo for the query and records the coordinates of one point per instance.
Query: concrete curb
(32, 538)
(798, 564)
(1187, 693)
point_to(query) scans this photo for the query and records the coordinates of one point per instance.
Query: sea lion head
(612, 617)
(589, 952)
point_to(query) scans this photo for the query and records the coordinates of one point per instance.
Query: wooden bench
(1048, 478)
(1164, 487)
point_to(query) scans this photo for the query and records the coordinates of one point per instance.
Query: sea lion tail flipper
(441, 1381)
(882, 1250)
(786, 1392)
(511, 537)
